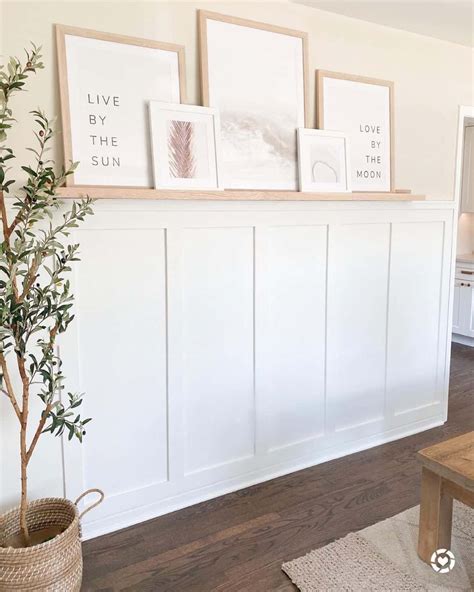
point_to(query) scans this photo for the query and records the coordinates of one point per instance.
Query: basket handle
(83, 495)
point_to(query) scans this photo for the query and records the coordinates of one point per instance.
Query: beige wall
(431, 77)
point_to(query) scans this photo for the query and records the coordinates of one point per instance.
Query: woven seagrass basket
(53, 566)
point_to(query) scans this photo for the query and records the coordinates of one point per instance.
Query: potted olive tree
(40, 546)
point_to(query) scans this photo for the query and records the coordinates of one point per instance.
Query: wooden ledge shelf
(97, 192)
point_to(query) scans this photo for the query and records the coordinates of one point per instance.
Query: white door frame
(465, 112)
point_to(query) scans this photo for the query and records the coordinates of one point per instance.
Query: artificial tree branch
(6, 241)
(44, 416)
(23, 450)
(45, 246)
(24, 485)
(25, 393)
(30, 278)
(39, 431)
(16, 220)
(3, 212)
(9, 392)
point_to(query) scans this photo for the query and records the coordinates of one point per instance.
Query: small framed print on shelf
(186, 146)
(324, 161)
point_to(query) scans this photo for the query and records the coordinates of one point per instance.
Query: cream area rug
(383, 558)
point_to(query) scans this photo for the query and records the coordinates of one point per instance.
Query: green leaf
(29, 171)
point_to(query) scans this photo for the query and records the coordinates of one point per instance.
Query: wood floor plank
(237, 543)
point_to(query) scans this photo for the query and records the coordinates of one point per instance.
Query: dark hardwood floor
(237, 543)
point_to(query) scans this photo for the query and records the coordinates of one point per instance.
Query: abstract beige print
(256, 80)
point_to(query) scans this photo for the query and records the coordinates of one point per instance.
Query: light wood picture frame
(105, 124)
(257, 75)
(363, 108)
(186, 146)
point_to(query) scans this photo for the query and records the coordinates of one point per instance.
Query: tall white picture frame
(362, 108)
(106, 82)
(256, 75)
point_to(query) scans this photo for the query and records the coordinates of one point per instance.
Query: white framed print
(105, 83)
(324, 161)
(186, 146)
(257, 76)
(362, 108)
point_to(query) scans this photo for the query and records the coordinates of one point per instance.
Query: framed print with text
(186, 146)
(362, 108)
(256, 75)
(106, 82)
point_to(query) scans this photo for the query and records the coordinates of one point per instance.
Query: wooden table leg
(436, 513)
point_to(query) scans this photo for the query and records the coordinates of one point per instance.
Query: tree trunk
(24, 485)
(24, 450)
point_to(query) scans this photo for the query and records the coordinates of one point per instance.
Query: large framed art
(257, 76)
(106, 82)
(362, 108)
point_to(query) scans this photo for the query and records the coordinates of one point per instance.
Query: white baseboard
(129, 518)
(462, 339)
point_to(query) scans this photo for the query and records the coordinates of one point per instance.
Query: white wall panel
(223, 344)
(217, 329)
(122, 345)
(357, 318)
(414, 317)
(291, 338)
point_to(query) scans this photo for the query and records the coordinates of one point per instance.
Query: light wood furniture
(102, 192)
(447, 473)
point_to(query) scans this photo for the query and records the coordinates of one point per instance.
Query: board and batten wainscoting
(221, 344)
